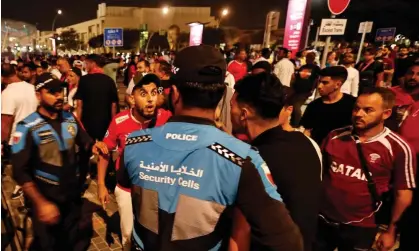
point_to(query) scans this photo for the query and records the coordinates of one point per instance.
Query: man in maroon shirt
(347, 216)
(143, 115)
(407, 125)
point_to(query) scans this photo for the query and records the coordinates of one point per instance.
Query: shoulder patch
(227, 153)
(121, 119)
(16, 137)
(138, 139)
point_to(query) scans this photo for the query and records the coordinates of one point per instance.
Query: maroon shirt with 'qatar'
(391, 162)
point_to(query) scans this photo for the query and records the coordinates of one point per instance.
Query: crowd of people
(219, 151)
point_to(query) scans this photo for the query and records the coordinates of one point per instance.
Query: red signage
(337, 6)
(294, 24)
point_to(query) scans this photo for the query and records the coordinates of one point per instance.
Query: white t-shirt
(18, 100)
(71, 97)
(284, 70)
(351, 85)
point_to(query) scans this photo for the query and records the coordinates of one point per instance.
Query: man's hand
(386, 241)
(100, 148)
(103, 195)
(48, 213)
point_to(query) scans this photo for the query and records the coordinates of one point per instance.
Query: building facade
(154, 19)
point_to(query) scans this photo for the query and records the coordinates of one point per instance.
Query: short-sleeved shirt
(18, 100)
(322, 118)
(98, 92)
(390, 161)
(368, 73)
(124, 123)
(238, 70)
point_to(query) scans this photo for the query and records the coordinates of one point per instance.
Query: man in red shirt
(347, 216)
(238, 67)
(143, 115)
(407, 125)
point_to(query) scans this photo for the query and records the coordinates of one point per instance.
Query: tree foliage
(69, 40)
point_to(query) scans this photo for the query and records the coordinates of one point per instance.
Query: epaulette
(226, 153)
(138, 139)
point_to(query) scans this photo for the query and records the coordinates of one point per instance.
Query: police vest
(184, 181)
(54, 169)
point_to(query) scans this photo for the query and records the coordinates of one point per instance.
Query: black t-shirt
(297, 175)
(368, 73)
(98, 92)
(323, 118)
(302, 85)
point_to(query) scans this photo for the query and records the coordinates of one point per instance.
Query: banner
(294, 24)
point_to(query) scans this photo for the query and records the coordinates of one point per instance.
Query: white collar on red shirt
(135, 120)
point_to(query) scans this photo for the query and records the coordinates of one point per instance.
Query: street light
(59, 12)
(165, 10)
(224, 13)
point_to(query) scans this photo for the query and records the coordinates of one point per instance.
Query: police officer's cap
(48, 82)
(199, 64)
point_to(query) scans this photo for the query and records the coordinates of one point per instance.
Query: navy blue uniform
(186, 178)
(44, 153)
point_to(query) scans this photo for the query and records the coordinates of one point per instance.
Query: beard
(146, 115)
(411, 86)
(367, 126)
(55, 108)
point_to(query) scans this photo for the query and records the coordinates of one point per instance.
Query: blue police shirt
(186, 178)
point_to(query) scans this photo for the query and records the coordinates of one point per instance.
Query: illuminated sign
(294, 24)
(196, 34)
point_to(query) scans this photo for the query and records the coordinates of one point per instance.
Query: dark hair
(44, 65)
(147, 79)
(266, 53)
(146, 63)
(290, 97)
(7, 70)
(97, 59)
(77, 71)
(263, 65)
(388, 96)
(165, 67)
(282, 49)
(264, 92)
(311, 57)
(370, 51)
(200, 95)
(31, 66)
(335, 73)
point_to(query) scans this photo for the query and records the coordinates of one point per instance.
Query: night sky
(247, 14)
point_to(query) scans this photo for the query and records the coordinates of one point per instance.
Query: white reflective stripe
(319, 154)
(410, 178)
(387, 144)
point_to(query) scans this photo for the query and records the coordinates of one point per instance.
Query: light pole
(224, 13)
(59, 12)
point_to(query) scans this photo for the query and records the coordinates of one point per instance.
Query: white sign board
(333, 26)
(367, 26)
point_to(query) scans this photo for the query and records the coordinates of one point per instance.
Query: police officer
(187, 176)
(44, 164)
